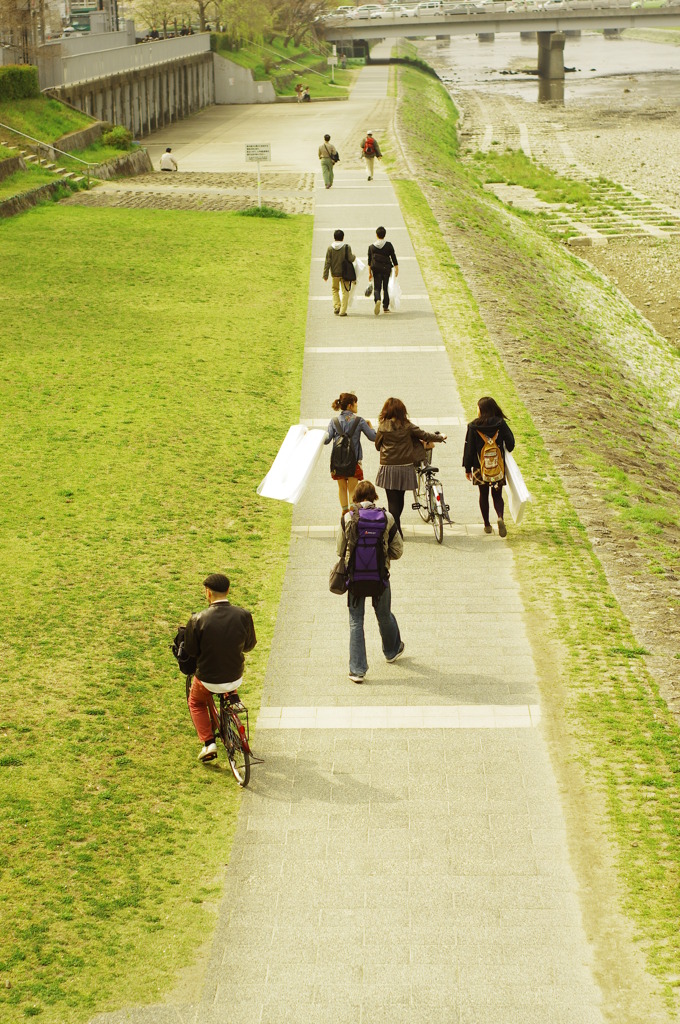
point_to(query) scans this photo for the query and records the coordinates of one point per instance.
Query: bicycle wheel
(421, 497)
(239, 758)
(436, 516)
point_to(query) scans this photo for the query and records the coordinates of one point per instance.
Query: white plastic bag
(359, 268)
(293, 465)
(518, 494)
(394, 291)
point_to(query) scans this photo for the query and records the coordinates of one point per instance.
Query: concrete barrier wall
(79, 140)
(147, 98)
(108, 54)
(234, 84)
(137, 162)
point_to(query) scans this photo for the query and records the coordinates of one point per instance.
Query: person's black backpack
(186, 662)
(343, 456)
(348, 271)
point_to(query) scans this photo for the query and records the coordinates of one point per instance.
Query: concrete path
(401, 856)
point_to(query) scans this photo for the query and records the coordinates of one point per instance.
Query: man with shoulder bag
(328, 155)
(368, 542)
(340, 265)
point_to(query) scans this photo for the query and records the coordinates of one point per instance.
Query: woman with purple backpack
(369, 540)
(345, 432)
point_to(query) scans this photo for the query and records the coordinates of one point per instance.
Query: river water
(602, 68)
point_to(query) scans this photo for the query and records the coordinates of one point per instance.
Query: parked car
(428, 8)
(368, 11)
(398, 11)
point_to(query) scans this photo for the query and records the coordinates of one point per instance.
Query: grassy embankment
(46, 120)
(578, 338)
(285, 66)
(145, 390)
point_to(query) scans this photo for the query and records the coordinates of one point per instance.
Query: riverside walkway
(401, 856)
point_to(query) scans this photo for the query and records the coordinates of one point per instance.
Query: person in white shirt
(168, 162)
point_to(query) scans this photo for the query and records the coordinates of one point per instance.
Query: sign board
(258, 151)
(332, 61)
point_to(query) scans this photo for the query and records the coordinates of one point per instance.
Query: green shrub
(18, 82)
(262, 211)
(118, 138)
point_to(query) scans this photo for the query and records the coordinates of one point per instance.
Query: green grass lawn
(601, 702)
(285, 66)
(41, 118)
(147, 381)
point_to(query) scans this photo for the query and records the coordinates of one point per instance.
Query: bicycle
(429, 496)
(235, 735)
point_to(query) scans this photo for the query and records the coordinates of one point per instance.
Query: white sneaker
(356, 678)
(376, 308)
(209, 752)
(397, 656)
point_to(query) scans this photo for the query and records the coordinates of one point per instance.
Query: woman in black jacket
(484, 434)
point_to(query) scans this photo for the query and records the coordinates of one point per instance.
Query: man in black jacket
(381, 259)
(218, 637)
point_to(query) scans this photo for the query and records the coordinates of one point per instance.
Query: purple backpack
(367, 573)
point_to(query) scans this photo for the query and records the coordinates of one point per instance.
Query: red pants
(202, 710)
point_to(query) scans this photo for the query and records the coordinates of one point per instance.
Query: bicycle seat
(432, 469)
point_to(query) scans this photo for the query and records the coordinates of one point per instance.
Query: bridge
(489, 19)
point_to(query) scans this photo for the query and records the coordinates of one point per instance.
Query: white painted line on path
(419, 530)
(368, 298)
(421, 421)
(322, 259)
(334, 349)
(446, 716)
(353, 231)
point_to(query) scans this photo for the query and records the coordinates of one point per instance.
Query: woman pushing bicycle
(395, 441)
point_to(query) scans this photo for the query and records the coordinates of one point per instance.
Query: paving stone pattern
(387, 875)
(292, 193)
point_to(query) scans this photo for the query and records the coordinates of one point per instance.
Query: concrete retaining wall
(148, 98)
(10, 165)
(234, 84)
(137, 162)
(79, 140)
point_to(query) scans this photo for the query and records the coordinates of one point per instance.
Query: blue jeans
(387, 624)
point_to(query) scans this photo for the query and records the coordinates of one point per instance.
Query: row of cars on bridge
(433, 8)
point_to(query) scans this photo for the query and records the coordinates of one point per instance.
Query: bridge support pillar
(572, 33)
(611, 33)
(550, 55)
(486, 37)
(529, 36)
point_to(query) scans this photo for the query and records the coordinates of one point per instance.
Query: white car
(428, 8)
(367, 11)
(398, 11)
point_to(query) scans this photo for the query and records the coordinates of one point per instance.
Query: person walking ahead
(488, 438)
(369, 151)
(351, 426)
(328, 156)
(336, 255)
(381, 259)
(395, 441)
(217, 637)
(369, 539)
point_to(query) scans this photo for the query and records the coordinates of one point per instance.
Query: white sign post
(332, 63)
(255, 153)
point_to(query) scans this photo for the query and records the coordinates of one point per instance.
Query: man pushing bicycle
(217, 637)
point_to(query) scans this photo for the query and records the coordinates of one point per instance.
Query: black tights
(497, 496)
(395, 503)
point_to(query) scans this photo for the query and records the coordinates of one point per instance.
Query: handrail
(48, 145)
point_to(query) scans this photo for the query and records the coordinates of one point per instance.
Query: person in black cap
(218, 637)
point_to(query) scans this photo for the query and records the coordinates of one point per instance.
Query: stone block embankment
(17, 204)
(136, 162)
(11, 165)
(80, 139)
